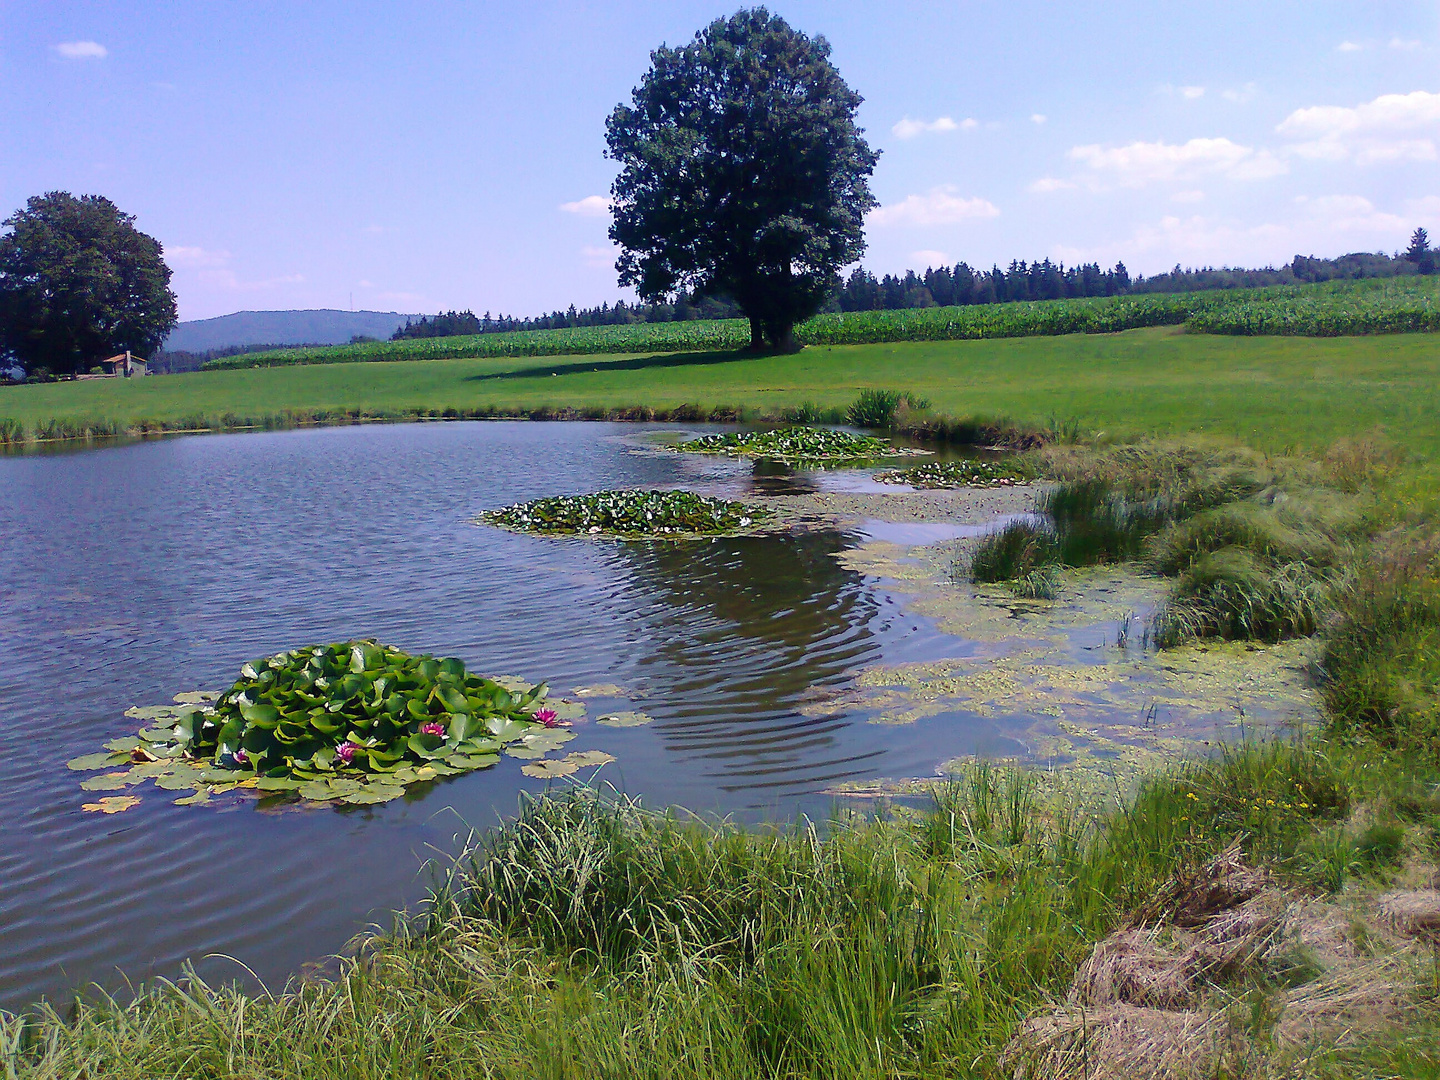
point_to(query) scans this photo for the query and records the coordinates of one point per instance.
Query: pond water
(131, 573)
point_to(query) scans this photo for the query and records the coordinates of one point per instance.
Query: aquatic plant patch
(356, 722)
(628, 513)
(795, 444)
(968, 473)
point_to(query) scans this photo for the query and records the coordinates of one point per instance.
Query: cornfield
(1396, 305)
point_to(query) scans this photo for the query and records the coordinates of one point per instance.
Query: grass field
(1270, 392)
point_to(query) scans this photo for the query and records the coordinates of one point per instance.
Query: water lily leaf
(467, 762)
(373, 793)
(158, 735)
(546, 770)
(505, 729)
(177, 781)
(115, 804)
(153, 712)
(122, 746)
(114, 781)
(201, 796)
(626, 719)
(196, 697)
(549, 738)
(526, 752)
(317, 791)
(96, 761)
(513, 683)
(426, 772)
(222, 776)
(608, 689)
(565, 709)
(585, 758)
(262, 715)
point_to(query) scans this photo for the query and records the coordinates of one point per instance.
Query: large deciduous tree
(742, 174)
(78, 283)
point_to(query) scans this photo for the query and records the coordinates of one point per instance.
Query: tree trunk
(757, 334)
(782, 337)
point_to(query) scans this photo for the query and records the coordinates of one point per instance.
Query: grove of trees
(78, 283)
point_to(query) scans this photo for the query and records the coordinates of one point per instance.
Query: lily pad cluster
(355, 722)
(794, 444)
(628, 513)
(1004, 472)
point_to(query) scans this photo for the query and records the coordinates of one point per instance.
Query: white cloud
(82, 50)
(195, 257)
(1191, 93)
(1349, 214)
(938, 206)
(1403, 45)
(1038, 118)
(1392, 127)
(1348, 46)
(1047, 184)
(1188, 196)
(590, 206)
(1141, 163)
(1426, 206)
(930, 258)
(908, 128)
(599, 258)
(1239, 95)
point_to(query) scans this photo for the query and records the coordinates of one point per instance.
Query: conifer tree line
(960, 286)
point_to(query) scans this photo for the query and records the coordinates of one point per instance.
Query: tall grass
(592, 937)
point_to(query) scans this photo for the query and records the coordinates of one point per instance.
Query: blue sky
(420, 156)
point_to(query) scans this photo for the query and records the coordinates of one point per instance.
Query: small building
(126, 365)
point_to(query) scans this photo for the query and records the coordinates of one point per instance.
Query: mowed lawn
(1269, 392)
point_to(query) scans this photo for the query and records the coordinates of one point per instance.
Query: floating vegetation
(795, 444)
(1004, 472)
(627, 513)
(356, 723)
(626, 719)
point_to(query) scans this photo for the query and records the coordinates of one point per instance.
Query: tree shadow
(633, 363)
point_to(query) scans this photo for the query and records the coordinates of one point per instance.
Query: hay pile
(1171, 995)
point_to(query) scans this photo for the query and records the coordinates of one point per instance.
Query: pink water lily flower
(241, 758)
(432, 728)
(346, 752)
(547, 717)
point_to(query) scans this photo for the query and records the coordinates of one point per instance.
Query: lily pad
(550, 769)
(114, 781)
(122, 746)
(608, 689)
(114, 804)
(278, 783)
(373, 793)
(96, 761)
(525, 752)
(200, 798)
(154, 712)
(196, 697)
(317, 791)
(626, 719)
(177, 781)
(585, 758)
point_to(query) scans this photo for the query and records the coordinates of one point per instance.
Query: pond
(134, 572)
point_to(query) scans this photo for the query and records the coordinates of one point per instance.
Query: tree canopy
(742, 175)
(78, 283)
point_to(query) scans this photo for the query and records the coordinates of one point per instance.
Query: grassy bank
(590, 938)
(1333, 308)
(1267, 392)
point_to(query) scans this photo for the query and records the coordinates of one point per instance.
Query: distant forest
(956, 286)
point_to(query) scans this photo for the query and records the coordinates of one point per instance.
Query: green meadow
(1269, 392)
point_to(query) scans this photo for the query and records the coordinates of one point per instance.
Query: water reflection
(744, 629)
